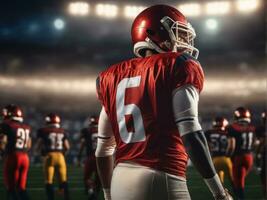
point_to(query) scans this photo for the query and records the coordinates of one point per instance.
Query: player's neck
(149, 53)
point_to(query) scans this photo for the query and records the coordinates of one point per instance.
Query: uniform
(16, 163)
(53, 144)
(89, 135)
(218, 142)
(144, 129)
(244, 134)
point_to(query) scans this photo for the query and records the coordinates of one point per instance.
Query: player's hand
(224, 196)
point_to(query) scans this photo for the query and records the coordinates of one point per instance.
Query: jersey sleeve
(66, 135)
(187, 71)
(230, 131)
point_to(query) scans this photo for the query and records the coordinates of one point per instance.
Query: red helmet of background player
(162, 28)
(220, 122)
(242, 114)
(52, 119)
(93, 120)
(13, 112)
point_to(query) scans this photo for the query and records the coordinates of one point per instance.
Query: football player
(88, 141)
(150, 114)
(261, 150)
(53, 141)
(16, 142)
(221, 146)
(243, 132)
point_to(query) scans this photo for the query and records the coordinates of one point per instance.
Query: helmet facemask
(182, 36)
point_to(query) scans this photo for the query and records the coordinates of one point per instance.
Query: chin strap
(147, 44)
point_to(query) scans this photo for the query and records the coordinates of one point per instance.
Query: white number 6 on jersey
(131, 109)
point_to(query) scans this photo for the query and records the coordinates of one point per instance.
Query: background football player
(150, 114)
(88, 141)
(52, 139)
(243, 132)
(16, 143)
(221, 147)
(261, 150)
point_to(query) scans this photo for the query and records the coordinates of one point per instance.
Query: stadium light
(79, 8)
(59, 24)
(132, 11)
(190, 10)
(247, 6)
(212, 24)
(217, 8)
(107, 10)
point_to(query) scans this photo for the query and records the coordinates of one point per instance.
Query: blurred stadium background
(51, 52)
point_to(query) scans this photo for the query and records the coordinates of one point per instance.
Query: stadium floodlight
(79, 8)
(217, 8)
(212, 24)
(190, 9)
(59, 24)
(132, 11)
(247, 6)
(107, 10)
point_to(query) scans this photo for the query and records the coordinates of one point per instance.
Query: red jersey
(18, 135)
(244, 134)
(218, 141)
(90, 137)
(137, 97)
(53, 138)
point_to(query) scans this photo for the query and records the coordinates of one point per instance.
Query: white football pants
(135, 182)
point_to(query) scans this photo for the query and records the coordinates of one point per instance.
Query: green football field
(196, 186)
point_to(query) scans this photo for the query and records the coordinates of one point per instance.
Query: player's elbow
(105, 147)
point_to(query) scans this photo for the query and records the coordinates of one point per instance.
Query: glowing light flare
(217, 8)
(59, 24)
(190, 10)
(132, 11)
(58, 86)
(211, 24)
(218, 87)
(85, 86)
(79, 8)
(247, 6)
(107, 10)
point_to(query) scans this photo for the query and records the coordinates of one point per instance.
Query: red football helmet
(162, 28)
(13, 112)
(242, 114)
(220, 122)
(93, 120)
(53, 119)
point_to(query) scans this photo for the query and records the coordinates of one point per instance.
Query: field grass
(196, 185)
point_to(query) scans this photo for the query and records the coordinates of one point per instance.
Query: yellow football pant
(223, 166)
(55, 161)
